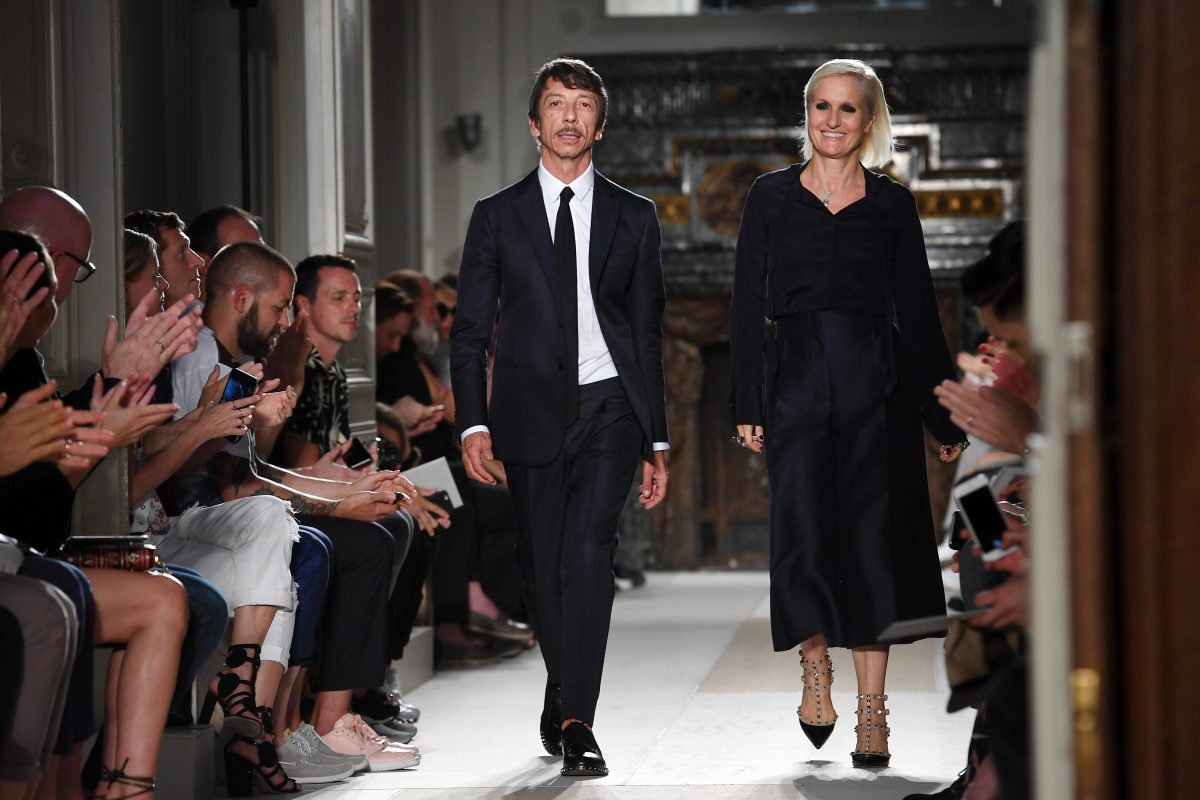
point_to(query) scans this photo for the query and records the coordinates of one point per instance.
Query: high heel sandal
(144, 785)
(818, 732)
(237, 704)
(241, 773)
(868, 757)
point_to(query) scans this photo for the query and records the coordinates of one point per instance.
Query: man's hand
(274, 408)
(17, 277)
(475, 449)
(654, 480)
(365, 506)
(418, 417)
(224, 419)
(291, 352)
(128, 413)
(997, 418)
(1007, 604)
(150, 342)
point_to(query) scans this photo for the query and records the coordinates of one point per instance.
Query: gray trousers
(48, 630)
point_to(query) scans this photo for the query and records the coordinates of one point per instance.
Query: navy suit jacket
(508, 257)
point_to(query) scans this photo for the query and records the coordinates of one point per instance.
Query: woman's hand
(128, 413)
(998, 418)
(36, 428)
(17, 277)
(751, 436)
(428, 515)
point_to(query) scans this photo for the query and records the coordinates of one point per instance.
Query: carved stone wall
(692, 132)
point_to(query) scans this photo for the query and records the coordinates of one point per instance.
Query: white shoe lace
(303, 745)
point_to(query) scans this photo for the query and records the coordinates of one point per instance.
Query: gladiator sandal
(819, 729)
(237, 703)
(871, 719)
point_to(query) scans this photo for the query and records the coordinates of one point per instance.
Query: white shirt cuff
(474, 429)
(661, 446)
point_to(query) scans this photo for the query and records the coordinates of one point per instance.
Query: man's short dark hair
(308, 272)
(448, 281)
(203, 230)
(391, 300)
(152, 222)
(573, 73)
(998, 279)
(25, 243)
(253, 264)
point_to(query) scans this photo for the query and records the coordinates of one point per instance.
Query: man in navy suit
(577, 387)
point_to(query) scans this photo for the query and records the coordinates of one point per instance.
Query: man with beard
(249, 289)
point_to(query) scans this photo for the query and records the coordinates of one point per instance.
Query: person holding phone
(833, 254)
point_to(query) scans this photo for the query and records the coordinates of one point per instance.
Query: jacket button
(560, 323)
(560, 366)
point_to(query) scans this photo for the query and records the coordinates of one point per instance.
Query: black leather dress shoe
(581, 755)
(551, 723)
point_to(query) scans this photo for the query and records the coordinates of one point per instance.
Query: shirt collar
(552, 187)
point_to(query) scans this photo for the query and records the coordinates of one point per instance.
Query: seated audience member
(328, 300)
(1001, 412)
(217, 227)
(475, 563)
(249, 289)
(38, 630)
(150, 344)
(145, 614)
(245, 546)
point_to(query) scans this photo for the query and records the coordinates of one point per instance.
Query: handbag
(128, 553)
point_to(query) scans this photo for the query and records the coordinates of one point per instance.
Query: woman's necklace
(825, 196)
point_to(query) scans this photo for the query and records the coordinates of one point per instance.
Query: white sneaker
(307, 732)
(352, 736)
(303, 764)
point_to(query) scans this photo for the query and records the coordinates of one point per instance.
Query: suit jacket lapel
(532, 212)
(605, 213)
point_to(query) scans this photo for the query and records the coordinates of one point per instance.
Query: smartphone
(239, 385)
(442, 500)
(985, 520)
(357, 455)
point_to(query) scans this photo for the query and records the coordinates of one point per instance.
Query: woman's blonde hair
(878, 145)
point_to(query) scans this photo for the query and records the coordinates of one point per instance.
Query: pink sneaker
(347, 738)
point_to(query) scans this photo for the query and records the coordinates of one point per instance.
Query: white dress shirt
(595, 361)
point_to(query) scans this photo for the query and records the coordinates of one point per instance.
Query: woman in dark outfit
(834, 255)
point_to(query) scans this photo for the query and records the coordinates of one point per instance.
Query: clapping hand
(128, 413)
(151, 341)
(291, 352)
(36, 428)
(17, 278)
(998, 418)
(274, 408)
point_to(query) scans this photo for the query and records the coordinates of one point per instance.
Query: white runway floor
(695, 705)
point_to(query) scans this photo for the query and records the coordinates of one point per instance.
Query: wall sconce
(470, 130)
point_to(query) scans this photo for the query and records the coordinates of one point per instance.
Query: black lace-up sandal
(237, 703)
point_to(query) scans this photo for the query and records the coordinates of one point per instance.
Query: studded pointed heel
(872, 753)
(820, 727)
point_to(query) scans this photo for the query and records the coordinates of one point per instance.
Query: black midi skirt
(852, 541)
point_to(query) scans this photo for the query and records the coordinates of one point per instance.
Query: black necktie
(564, 261)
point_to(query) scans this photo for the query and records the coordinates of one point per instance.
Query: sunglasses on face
(445, 310)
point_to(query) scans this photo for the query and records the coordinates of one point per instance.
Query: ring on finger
(162, 348)
(970, 420)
